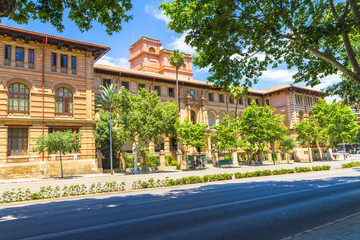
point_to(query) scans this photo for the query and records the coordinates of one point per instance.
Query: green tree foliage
(191, 135)
(102, 136)
(237, 93)
(239, 39)
(110, 13)
(286, 145)
(260, 125)
(336, 121)
(176, 59)
(308, 132)
(225, 134)
(58, 142)
(145, 117)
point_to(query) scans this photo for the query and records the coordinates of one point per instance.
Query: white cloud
(179, 44)
(280, 76)
(115, 62)
(202, 70)
(157, 13)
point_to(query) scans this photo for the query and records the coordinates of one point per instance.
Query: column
(26, 57)
(162, 159)
(69, 65)
(167, 145)
(234, 157)
(13, 55)
(214, 158)
(152, 147)
(208, 150)
(58, 63)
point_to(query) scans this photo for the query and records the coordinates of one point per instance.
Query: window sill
(17, 158)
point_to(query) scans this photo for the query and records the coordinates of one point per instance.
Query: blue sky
(149, 21)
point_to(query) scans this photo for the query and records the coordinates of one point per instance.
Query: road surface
(271, 207)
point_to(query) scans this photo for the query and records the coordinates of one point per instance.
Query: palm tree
(7, 7)
(104, 101)
(236, 93)
(177, 60)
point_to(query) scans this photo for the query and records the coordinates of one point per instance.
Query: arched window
(151, 49)
(231, 116)
(18, 98)
(63, 100)
(221, 116)
(193, 117)
(211, 118)
(301, 115)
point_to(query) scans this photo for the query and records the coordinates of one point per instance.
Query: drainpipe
(43, 92)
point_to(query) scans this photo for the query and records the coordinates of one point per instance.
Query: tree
(225, 135)
(275, 129)
(237, 93)
(105, 100)
(119, 135)
(145, 117)
(239, 39)
(191, 135)
(286, 145)
(110, 13)
(58, 142)
(259, 126)
(307, 133)
(176, 60)
(336, 121)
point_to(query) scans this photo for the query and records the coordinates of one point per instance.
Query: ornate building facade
(48, 84)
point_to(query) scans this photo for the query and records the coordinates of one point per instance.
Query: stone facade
(48, 83)
(35, 71)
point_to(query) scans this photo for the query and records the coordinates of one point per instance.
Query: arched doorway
(211, 118)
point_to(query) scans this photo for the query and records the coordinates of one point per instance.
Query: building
(200, 102)
(48, 84)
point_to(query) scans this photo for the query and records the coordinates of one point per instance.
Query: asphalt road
(264, 208)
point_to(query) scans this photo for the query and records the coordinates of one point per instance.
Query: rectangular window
(267, 101)
(231, 100)
(157, 88)
(106, 82)
(141, 85)
(8, 52)
(64, 61)
(257, 102)
(221, 98)
(298, 100)
(249, 101)
(31, 58)
(19, 54)
(171, 92)
(308, 101)
(125, 85)
(241, 102)
(53, 62)
(17, 141)
(73, 65)
(53, 59)
(211, 97)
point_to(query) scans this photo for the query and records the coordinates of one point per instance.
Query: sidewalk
(34, 184)
(347, 228)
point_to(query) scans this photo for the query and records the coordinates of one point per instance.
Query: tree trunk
(273, 152)
(111, 156)
(287, 157)
(61, 167)
(309, 152)
(344, 150)
(260, 156)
